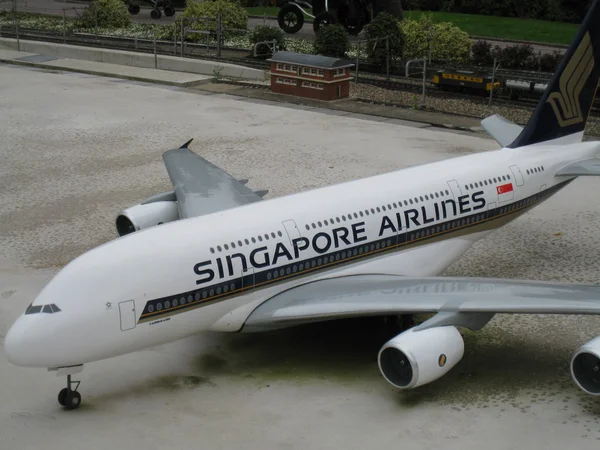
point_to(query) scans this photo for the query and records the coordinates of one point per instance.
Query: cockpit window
(33, 309)
(49, 309)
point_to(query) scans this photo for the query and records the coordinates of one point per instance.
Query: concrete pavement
(76, 149)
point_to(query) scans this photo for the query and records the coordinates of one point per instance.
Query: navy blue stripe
(220, 291)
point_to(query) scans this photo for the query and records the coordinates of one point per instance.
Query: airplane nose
(19, 348)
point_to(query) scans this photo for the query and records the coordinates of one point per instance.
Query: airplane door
(517, 174)
(291, 229)
(455, 188)
(127, 313)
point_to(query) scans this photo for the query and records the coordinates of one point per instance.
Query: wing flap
(372, 295)
(501, 129)
(201, 187)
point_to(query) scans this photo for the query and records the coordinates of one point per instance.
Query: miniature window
(289, 81)
(311, 85)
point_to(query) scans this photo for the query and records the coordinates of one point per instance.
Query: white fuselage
(211, 272)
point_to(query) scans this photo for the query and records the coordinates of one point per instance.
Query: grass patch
(487, 26)
(506, 27)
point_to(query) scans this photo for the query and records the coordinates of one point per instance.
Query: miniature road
(75, 149)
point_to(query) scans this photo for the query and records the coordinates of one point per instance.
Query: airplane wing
(588, 167)
(454, 298)
(502, 130)
(203, 188)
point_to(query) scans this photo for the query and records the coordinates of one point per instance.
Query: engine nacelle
(139, 217)
(585, 367)
(414, 358)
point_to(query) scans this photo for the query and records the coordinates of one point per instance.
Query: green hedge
(332, 40)
(233, 16)
(105, 14)
(444, 40)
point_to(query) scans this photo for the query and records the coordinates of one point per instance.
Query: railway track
(407, 85)
(369, 76)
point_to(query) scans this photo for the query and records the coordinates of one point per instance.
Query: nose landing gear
(69, 397)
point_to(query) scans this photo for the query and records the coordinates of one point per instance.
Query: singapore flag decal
(505, 192)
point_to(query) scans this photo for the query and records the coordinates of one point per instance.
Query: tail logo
(566, 103)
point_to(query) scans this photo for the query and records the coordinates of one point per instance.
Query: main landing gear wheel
(68, 397)
(323, 19)
(169, 11)
(290, 18)
(155, 14)
(133, 9)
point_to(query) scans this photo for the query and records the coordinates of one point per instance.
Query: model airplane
(224, 259)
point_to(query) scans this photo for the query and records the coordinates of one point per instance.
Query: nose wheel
(69, 397)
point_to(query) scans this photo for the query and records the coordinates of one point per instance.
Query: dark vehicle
(352, 14)
(166, 5)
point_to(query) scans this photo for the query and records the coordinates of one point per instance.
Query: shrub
(266, 33)
(232, 16)
(550, 61)
(518, 56)
(384, 25)
(444, 40)
(332, 40)
(481, 53)
(105, 14)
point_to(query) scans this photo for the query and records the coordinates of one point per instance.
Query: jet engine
(414, 358)
(146, 215)
(585, 367)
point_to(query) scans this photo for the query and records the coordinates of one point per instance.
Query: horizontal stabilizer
(502, 130)
(588, 167)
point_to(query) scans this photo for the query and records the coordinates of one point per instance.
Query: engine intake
(414, 358)
(147, 215)
(585, 367)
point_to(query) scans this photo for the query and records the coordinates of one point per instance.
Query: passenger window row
(489, 181)
(246, 241)
(49, 309)
(376, 210)
(538, 169)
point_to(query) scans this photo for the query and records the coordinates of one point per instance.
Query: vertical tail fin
(566, 104)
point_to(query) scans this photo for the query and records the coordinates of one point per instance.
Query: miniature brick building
(313, 76)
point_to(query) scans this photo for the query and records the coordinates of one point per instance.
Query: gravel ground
(452, 106)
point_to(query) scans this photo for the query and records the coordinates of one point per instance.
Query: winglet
(187, 143)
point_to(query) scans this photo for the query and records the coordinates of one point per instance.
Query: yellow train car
(465, 81)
